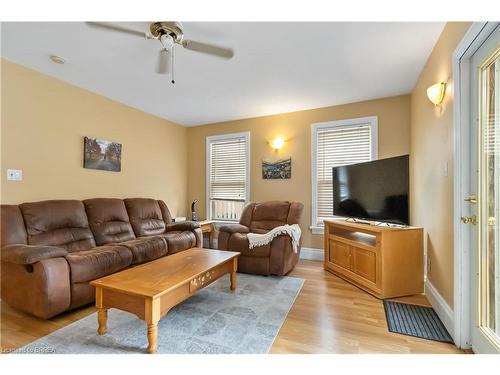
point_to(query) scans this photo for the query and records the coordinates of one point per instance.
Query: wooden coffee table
(152, 289)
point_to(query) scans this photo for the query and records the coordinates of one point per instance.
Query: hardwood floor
(333, 316)
(19, 329)
(328, 316)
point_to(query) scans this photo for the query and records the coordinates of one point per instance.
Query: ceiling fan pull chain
(172, 53)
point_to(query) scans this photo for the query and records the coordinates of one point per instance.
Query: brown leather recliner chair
(51, 250)
(275, 258)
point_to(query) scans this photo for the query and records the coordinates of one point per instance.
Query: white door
(484, 215)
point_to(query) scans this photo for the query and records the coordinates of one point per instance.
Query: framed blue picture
(281, 169)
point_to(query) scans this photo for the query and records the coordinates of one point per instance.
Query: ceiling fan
(168, 34)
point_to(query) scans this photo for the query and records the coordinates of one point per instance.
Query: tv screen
(375, 190)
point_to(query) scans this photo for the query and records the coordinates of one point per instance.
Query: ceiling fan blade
(115, 27)
(208, 48)
(163, 62)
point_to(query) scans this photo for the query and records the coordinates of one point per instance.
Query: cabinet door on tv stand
(364, 263)
(340, 254)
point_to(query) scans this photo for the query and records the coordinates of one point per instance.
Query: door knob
(469, 219)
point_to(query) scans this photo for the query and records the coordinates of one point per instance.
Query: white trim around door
(473, 39)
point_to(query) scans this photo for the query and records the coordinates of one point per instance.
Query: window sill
(315, 229)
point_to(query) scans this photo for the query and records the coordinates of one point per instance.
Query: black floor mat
(414, 320)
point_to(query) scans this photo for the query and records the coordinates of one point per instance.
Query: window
(334, 144)
(227, 175)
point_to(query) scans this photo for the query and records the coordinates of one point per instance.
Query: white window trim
(212, 138)
(373, 123)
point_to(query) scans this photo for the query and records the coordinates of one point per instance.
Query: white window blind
(227, 185)
(341, 143)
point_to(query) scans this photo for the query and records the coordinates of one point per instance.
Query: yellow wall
(431, 147)
(44, 121)
(393, 139)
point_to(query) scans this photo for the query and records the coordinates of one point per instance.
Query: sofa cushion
(145, 249)
(246, 215)
(97, 262)
(108, 220)
(145, 216)
(294, 213)
(58, 223)
(239, 242)
(165, 212)
(12, 225)
(268, 215)
(179, 241)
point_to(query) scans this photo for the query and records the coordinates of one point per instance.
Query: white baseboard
(311, 253)
(443, 310)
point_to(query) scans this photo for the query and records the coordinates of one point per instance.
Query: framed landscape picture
(281, 169)
(101, 154)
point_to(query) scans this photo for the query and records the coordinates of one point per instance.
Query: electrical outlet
(14, 175)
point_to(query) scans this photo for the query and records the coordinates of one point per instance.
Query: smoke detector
(57, 59)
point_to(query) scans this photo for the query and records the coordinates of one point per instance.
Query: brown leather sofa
(275, 258)
(52, 249)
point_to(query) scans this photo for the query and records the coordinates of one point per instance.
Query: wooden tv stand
(384, 261)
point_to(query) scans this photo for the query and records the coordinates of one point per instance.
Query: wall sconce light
(436, 92)
(278, 143)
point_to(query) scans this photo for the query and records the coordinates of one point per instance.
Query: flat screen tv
(376, 190)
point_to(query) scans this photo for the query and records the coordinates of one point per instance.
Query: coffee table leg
(152, 315)
(233, 274)
(102, 319)
(102, 313)
(152, 337)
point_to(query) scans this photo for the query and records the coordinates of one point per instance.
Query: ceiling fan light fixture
(167, 41)
(164, 62)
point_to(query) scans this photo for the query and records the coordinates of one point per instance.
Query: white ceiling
(277, 66)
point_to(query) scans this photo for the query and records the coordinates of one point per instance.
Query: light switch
(445, 169)
(14, 175)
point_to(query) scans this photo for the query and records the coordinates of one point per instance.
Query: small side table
(207, 226)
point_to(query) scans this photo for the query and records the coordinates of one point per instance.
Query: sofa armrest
(183, 225)
(41, 289)
(282, 258)
(234, 228)
(30, 254)
(227, 231)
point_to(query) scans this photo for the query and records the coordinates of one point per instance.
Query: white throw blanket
(255, 240)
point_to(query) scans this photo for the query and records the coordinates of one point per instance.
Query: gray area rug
(215, 320)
